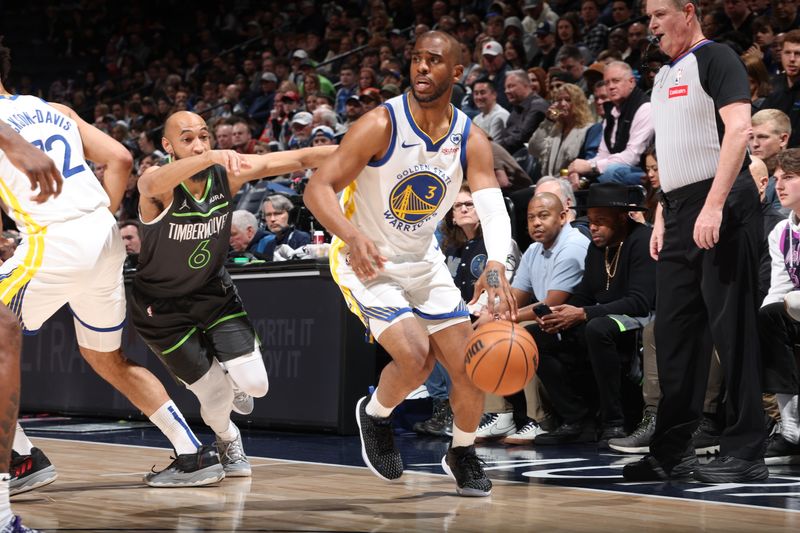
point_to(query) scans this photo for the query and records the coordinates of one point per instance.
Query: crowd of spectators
(561, 88)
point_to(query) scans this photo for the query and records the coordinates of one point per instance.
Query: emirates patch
(680, 90)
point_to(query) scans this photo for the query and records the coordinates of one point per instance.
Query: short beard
(440, 90)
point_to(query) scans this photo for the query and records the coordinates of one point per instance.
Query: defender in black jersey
(185, 306)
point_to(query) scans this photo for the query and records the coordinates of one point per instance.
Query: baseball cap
(492, 48)
(303, 118)
(291, 95)
(322, 130)
(370, 93)
(513, 22)
(544, 28)
(269, 76)
(300, 54)
(390, 89)
(353, 98)
(566, 77)
(594, 73)
(530, 4)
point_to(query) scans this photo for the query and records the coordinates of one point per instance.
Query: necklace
(611, 266)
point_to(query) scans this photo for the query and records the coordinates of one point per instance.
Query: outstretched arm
(275, 164)
(39, 168)
(100, 148)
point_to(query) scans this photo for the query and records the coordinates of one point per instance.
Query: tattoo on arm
(493, 279)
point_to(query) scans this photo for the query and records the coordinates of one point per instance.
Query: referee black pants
(708, 298)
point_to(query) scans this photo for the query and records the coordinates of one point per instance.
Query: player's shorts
(420, 288)
(189, 332)
(79, 263)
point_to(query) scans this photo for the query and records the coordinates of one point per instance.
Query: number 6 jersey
(57, 135)
(185, 246)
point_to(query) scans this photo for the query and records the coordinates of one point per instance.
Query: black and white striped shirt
(686, 98)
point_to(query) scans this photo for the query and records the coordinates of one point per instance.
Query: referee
(706, 240)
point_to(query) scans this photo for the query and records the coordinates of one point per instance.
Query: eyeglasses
(459, 205)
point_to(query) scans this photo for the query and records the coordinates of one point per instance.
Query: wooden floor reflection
(100, 489)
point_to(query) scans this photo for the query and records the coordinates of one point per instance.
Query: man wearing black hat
(590, 335)
(546, 41)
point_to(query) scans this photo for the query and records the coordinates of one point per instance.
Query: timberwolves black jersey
(186, 245)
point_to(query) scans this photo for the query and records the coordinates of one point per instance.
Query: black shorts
(188, 332)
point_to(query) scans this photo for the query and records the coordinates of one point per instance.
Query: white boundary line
(509, 481)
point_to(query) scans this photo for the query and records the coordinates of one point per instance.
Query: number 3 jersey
(57, 135)
(399, 200)
(186, 245)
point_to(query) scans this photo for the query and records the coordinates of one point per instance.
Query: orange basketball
(501, 357)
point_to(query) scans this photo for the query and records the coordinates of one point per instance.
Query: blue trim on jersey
(383, 160)
(15, 305)
(12, 97)
(29, 332)
(387, 314)
(464, 136)
(179, 419)
(689, 51)
(429, 144)
(458, 312)
(93, 328)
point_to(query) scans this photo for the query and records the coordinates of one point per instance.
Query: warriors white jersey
(57, 135)
(399, 200)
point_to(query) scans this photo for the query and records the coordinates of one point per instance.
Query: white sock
(376, 409)
(462, 438)
(172, 424)
(229, 434)
(22, 445)
(790, 417)
(5, 506)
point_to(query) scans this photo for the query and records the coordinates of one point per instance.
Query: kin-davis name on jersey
(416, 197)
(18, 121)
(198, 230)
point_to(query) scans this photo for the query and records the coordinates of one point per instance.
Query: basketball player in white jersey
(401, 167)
(71, 253)
(44, 177)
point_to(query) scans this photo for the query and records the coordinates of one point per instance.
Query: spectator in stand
(322, 135)
(758, 76)
(568, 33)
(740, 20)
(786, 15)
(546, 43)
(514, 53)
(595, 33)
(129, 231)
(242, 137)
(786, 89)
(264, 98)
(537, 12)
(637, 42)
(348, 86)
(770, 135)
(568, 133)
(572, 61)
(370, 98)
(246, 239)
(510, 176)
(599, 99)
(367, 78)
(627, 131)
(495, 64)
(354, 109)
(275, 211)
(527, 111)
(492, 118)
(301, 126)
(538, 78)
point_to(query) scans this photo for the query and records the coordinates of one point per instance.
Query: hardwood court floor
(100, 489)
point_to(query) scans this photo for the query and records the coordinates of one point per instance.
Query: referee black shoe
(781, 452)
(463, 465)
(377, 443)
(29, 472)
(648, 468)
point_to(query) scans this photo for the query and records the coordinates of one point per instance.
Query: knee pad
(248, 374)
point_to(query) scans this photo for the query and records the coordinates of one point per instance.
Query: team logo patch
(455, 138)
(477, 265)
(415, 199)
(680, 90)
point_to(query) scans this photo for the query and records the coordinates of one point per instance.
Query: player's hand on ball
(494, 282)
(365, 259)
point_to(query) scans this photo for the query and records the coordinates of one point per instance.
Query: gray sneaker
(639, 440)
(189, 470)
(232, 457)
(242, 402)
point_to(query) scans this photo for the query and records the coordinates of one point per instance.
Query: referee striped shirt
(686, 98)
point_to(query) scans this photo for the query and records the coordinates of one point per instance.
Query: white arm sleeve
(495, 223)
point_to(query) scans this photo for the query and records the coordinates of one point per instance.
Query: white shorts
(78, 263)
(423, 289)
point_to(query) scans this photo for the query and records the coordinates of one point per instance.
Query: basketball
(501, 357)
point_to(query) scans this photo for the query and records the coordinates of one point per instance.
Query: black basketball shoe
(463, 465)
(189, 470)
(377, 443)
(648, 468)
(30, 472)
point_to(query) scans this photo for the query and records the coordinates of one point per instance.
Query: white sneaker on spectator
(526, 435)
(418, 394)
(495, 426)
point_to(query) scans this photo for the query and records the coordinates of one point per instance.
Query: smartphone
(542, 310)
